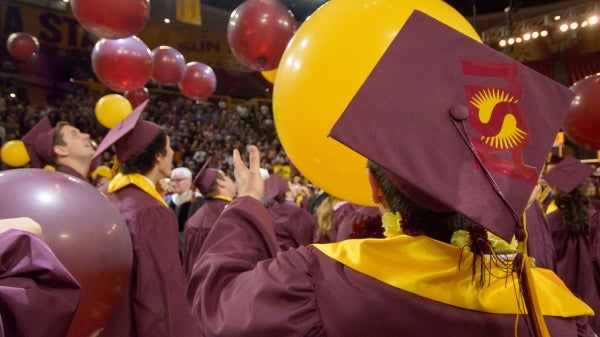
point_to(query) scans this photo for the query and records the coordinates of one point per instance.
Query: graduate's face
(165, 162)
(76, 145)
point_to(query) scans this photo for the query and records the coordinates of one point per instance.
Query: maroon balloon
(258, 33)
(582, 124)
(22, 45)
(168, 65)
(198, 82)
(111, 19)
(137, 97)
(122, 64)
(85, 232)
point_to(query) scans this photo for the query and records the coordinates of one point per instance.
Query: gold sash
(121, 180)
(436, 271)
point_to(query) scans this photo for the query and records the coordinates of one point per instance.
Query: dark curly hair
(418, 220)
(574, 210)
(144, 162)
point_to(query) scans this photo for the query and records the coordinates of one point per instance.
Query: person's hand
(24, 224)
(249, 180)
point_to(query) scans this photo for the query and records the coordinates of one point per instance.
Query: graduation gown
(197, 228)
(539, 240)
(360, 214)
(294, 226)
(577, 260)
(68, 170)
(38, 296)
(242, 286)
(154, 304)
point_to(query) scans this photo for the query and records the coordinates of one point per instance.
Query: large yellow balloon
(14, 153)
(111, 109)
(325, 63)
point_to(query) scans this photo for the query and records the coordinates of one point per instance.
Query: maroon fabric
(463, 98)
(294, 226)
(38, 296)
(68, 170)
(205, 178)
(577, 260)
(38, 142)
(360, 214)
(539, 241)
(197, 228)
(241, 286)
(155, 303)
(568, 174)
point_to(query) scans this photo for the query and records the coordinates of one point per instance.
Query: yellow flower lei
(391, 224)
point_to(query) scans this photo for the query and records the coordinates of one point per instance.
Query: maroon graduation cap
(568, 174)
(457, 125)
(39, 143)
(206, 177)
(275, 187)
(131, 136)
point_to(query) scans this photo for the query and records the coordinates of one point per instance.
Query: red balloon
(198, 82)
(582, 123)
(111, 19)
(137, 97)
(258, 33)
(122, 64)
(83, 229)
(168, 65)
(22, 45)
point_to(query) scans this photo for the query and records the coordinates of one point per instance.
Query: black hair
(417, 220)
(145, 161)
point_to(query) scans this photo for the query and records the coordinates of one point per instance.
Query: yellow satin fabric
(436, 271)
(222, 197)
(121, 180)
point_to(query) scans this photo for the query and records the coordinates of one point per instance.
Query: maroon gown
(539, 241)
(197, 228)
(38, 296)
(577, 260)
(154, 304)
(243, 286)
(294, 226)
(360, 214)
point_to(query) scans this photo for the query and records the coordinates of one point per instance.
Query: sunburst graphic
(510, 135)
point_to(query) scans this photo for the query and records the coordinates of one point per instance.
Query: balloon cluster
(124, 63)
(582, 122)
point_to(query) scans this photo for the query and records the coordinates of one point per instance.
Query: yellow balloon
(111, 109)
(14, 153)
(269, 75)
(324, 65)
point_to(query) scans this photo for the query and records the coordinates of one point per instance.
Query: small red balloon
(111, 19)
(122, 64)
(84, 230)
(582, 123)
(22, 45)
(137, 97)
(198, 82)
(168, 65)
(258, 33)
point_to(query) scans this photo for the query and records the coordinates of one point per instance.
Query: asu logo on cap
(498, 119)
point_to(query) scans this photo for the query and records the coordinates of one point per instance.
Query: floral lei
(391, 223)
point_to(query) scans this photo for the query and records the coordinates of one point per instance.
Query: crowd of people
(198, 130)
